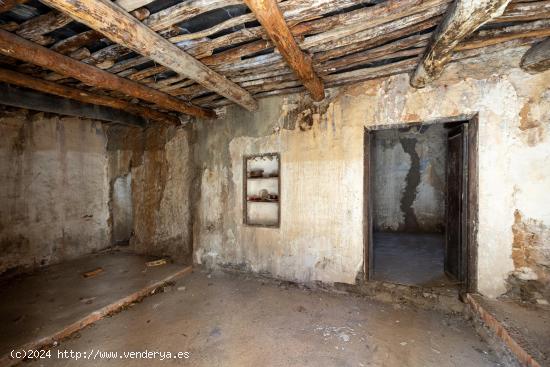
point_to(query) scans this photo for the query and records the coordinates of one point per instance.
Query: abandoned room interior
(275, 182)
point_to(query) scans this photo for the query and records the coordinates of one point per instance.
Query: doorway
(121, 210)
(420, 207)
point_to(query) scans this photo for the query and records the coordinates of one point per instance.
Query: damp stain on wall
(52, 189)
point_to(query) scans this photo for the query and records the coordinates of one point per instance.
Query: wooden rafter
(537, 58)
(130, 5)
(119, 26)
(23, 80)
(461, 20)
(270, 17)
(7, 5)
(21, 49)
(31, 100)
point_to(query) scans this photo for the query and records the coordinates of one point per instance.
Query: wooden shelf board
(262, 178)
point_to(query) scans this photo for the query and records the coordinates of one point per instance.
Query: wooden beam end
(251, 105)
(318, 96)
(537, 58)
(419, 78)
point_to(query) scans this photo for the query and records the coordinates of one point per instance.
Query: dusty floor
(410, 258)
(529, 325)
(230, 320)
(38, 305)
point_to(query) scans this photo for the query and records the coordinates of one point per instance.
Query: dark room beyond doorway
(410, 220)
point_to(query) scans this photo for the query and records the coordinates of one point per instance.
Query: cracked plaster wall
(409, 179)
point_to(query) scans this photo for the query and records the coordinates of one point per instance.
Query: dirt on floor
(234, 320)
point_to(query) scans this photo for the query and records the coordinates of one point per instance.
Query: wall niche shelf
(264, 178)
(262, 190)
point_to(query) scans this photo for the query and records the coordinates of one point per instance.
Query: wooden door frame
(472, 172)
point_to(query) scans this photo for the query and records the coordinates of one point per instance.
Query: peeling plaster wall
(53, 189)
(159, 162)
(409, 182)
(321, 162)
(322, 169)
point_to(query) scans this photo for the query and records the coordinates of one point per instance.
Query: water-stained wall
(158, 160)
(321, 146)
(321, 161)
(409, 179)
(53, 189)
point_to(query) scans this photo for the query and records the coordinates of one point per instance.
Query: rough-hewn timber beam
(122, 28)
(7, 5)
(462, 18)
(23, 80)
(537, 58)
(15, 97)
(271, 18)
(21, 49)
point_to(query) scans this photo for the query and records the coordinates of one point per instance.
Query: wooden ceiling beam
(30, 100)
(130, 5)
(271, 18)
(462, 18)
(537, 58)
(23, 80)
(21, 49)
(120, 27)
(7, 5)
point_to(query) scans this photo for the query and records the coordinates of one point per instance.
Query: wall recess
(262, 190)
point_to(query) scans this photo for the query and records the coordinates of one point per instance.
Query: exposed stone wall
(159, 162)
(321, 150)
(531, 254)
(409, 181)
(53, 189)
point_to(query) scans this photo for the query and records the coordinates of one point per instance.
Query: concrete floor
(232, 320)
(410, 258)
(36, 306)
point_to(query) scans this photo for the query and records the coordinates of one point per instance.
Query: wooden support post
(122, 28)
(15, 97)
(537, 58)
(23, 80)
(461, 20)
(21, 49)
(271, 18)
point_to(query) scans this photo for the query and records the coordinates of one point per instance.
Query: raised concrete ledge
(44, 342)
(511, 344)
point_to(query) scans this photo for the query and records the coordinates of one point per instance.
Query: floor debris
(259, 326)
(92, 273)
(156, 262)
(88, 300)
